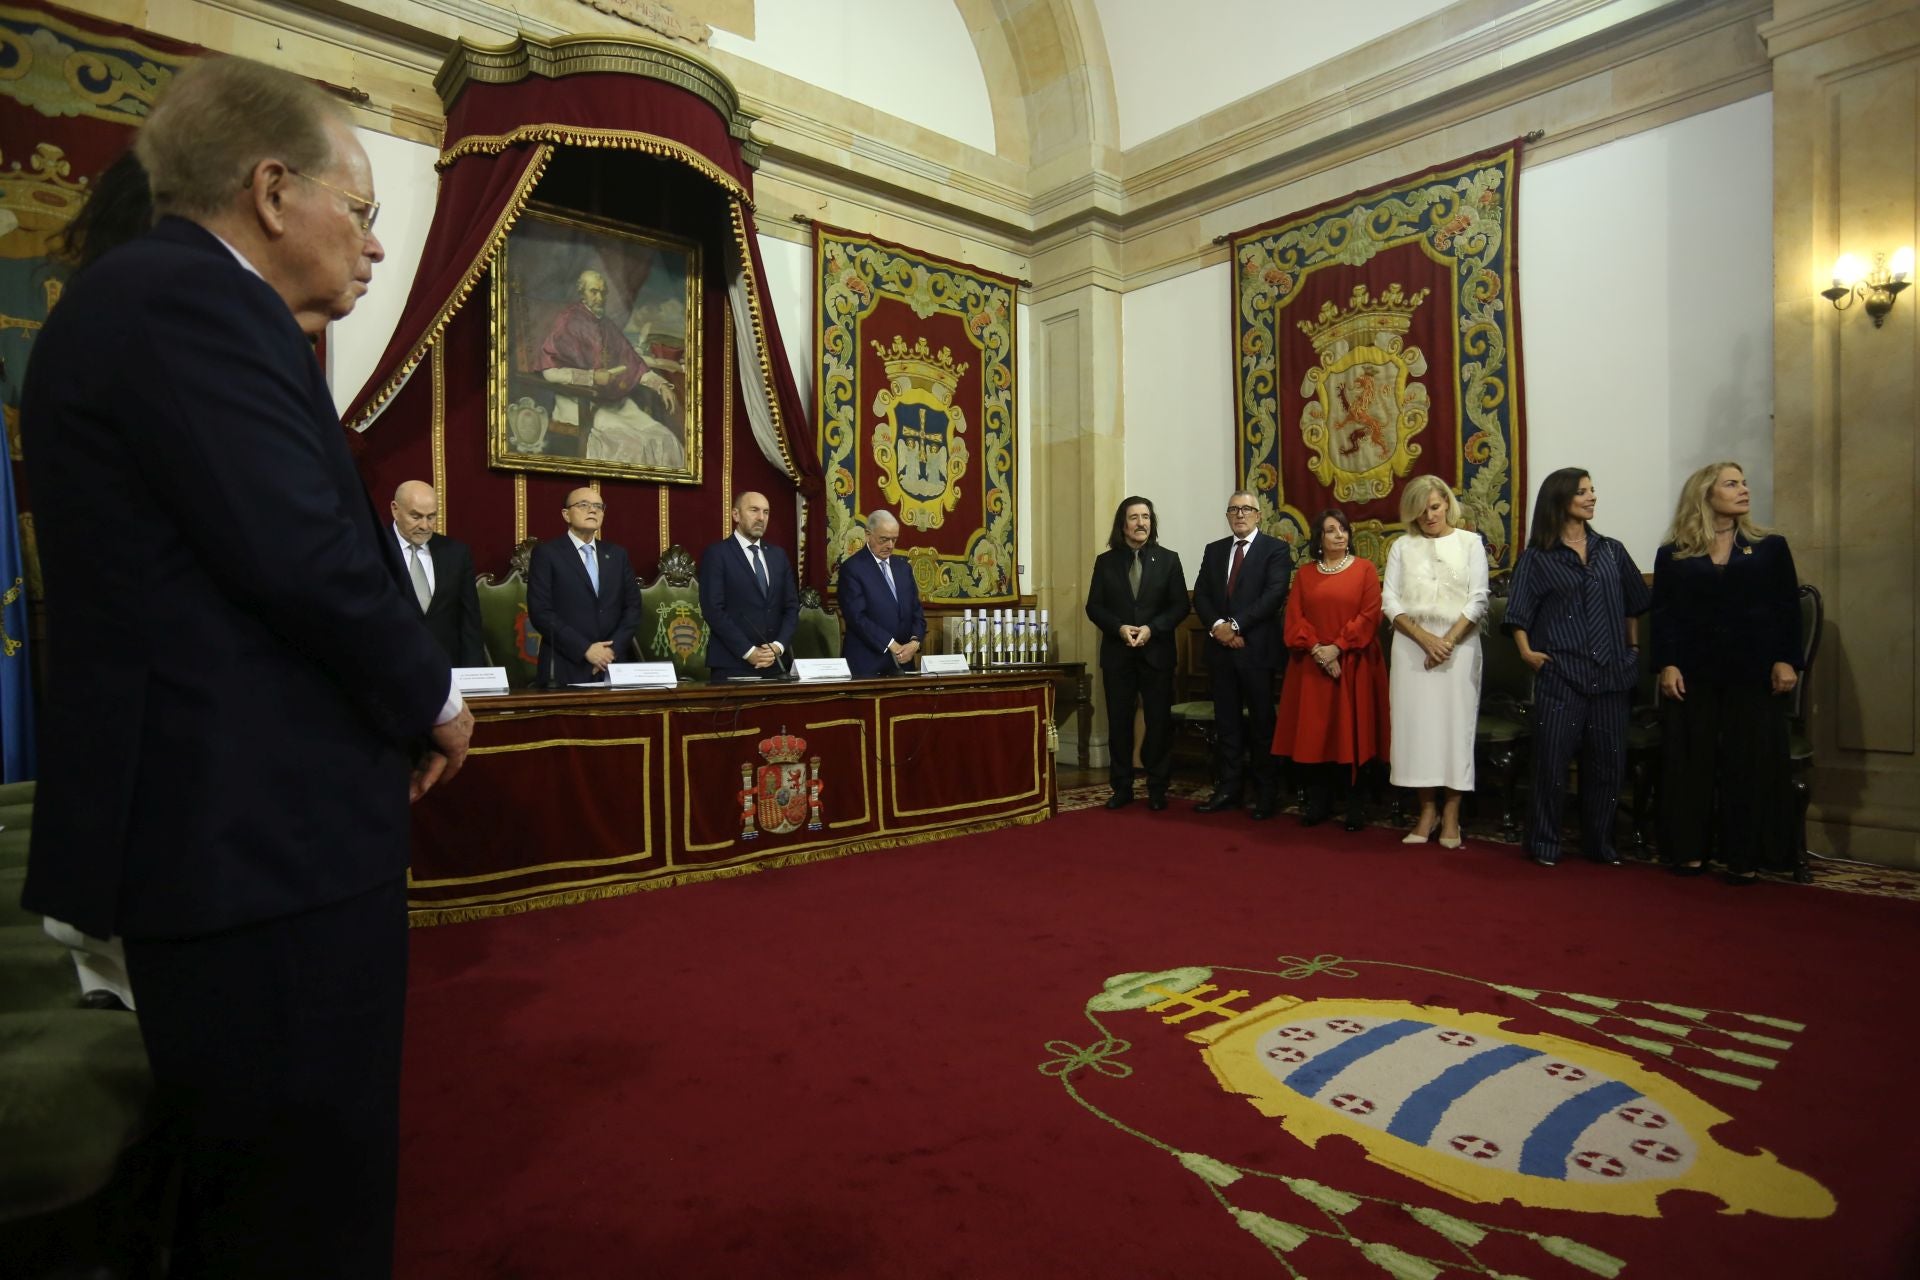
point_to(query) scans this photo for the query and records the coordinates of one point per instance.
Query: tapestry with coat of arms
(1376, 339)
(915, 404)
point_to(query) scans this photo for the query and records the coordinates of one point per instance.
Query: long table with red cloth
(584, 793)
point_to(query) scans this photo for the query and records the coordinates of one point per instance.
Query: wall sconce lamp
(1876, 288)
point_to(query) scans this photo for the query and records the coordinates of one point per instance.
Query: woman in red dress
(1333, 707)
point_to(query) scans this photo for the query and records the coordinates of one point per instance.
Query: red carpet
(886, 1066)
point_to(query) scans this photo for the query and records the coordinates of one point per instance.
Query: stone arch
(1048, 78)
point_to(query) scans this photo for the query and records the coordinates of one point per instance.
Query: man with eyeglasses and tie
(748, 598)
(1239, 597)
(440, 571)
(885, 623)
(581, 598)
(230, 796)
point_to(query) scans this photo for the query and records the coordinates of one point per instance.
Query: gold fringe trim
(612, 139)
(726, 416)
(440, 431)
(760, 338)
(515, 206)
(426, 917)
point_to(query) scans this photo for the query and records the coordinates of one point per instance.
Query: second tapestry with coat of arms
(915, 404)
(1376, 339)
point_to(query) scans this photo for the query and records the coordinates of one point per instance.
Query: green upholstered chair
(1192, 705)
(817, 635)
(78, 1185)
(1800, 737)
(510, 638)
(671, 628)
(1504, 728)
(1644, 738)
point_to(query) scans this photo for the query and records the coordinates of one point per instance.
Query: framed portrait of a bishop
(595, 364)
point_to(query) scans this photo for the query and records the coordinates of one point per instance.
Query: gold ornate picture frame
(595, 355)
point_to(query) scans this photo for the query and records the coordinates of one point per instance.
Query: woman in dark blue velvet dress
(1726, 645)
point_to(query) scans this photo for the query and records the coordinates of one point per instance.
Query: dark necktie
(760, 569)
(1233, 574)
(1133, 575)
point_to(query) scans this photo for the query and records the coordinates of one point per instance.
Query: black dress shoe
(1610, 858)
(1688, 868)
(1263, 808)
(1119, 799)
(1156, 800)
(1308, 818)
(1741, 877)
(1546, 859)
(102, 999)
(1353, 823)
(1217, 801)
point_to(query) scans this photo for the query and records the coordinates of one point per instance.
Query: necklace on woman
(1335, 567)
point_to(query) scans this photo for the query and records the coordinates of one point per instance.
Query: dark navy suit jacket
(1727, 625)
(874, 616)
(570, 616)
(1259, 594)
(248, 758)
(739, 615)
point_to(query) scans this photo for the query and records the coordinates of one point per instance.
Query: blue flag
(16, 672)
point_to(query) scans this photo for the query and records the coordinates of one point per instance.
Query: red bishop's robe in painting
(583, 340)
(1323, 720)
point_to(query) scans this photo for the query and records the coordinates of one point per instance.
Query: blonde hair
(1413, 502)
(1692, 530)
(221, 117)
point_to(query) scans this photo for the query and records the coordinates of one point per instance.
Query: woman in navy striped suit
(1576, 595)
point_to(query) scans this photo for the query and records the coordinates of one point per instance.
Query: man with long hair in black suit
(1137, 597)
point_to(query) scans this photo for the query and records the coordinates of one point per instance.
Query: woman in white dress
(1435, 595)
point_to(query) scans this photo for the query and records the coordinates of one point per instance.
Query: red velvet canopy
(643, 136)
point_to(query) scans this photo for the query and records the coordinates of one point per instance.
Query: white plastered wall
(1168, 72)
(1647, 320)
(911, 59)
(405, 182)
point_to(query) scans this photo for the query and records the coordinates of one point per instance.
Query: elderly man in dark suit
(1239, 595)
(582, 597)
(880, 603)
(230, 797)
(1137, 597)
(440, 573)
(748, 598)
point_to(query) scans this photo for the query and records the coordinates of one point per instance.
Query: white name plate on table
(815, 670)
(481, 682)
(642, 675)
(943, 664)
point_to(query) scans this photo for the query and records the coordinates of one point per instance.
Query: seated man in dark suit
(748, 598)
(581, 598)
(881, 604)
(441, 572)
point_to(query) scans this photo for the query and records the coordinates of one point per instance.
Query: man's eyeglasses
(1242, 511)
(365, 217)
(589, 506)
